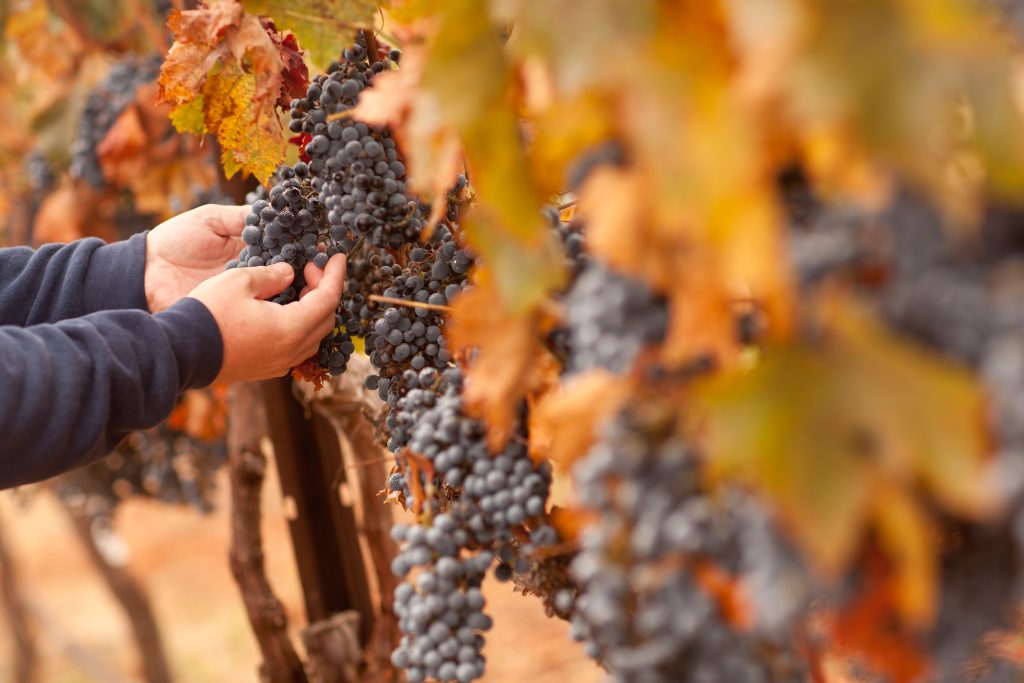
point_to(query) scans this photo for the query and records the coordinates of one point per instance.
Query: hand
(264, 339)
(190, 248)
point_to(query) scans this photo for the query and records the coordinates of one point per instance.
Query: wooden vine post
(330, 467)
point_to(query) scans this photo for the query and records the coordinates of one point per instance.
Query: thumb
(322, 299)
(267, 281)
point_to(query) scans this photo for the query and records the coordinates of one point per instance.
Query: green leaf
(825, 428)
(189, 117)
(322, 27)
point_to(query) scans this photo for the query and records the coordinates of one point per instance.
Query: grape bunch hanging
(348, 194)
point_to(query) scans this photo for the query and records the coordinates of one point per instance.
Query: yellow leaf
(234, 70)
(189, 117)
(826, 428)
(906, 537)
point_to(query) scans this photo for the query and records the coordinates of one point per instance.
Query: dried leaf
(565, 422)
(833, 430)
(123, 151)
(238, 68)
(320, 25)
(504, 368)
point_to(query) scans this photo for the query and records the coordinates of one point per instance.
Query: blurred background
(119, 572)
(178, 560)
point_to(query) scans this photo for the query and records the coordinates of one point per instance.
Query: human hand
(263, 339)
(188, 249)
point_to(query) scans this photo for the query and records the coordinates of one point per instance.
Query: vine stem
(407, 302)
(247, 466)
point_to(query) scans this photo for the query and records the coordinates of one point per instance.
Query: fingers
(267, 281)
(317, 306)
(313, 275)
(225, 220)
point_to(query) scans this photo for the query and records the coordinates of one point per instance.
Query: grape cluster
(348, 195)
(441, 610)
(476, 501)
(960, 297)
(368, 273)
(286, 225)
(643, 621)
(410, 338)
(359, 175)
(39, 173)
(610, 318)
(102, 107)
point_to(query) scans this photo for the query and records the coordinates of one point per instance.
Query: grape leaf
(238, 68)
(842, 432)
(565, 421)
(163, 171)
(320, 25)
(505, 367)
(47, 45)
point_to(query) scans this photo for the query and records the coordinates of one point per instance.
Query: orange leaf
(727, 592)
(234, 69)
(869, 628)
(565, 422)
(504, 368)
(123, 152)
(310, 371)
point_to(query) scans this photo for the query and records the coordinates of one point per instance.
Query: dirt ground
(182, 558)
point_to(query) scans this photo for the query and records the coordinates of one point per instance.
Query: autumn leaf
(45, 44)
(123, 151)
(462, 85)
(504, 367)
(565, 422)
(321, 26)
(868, 628)
(842, 432)
(163, 171)
(236, 69)
(72, 211)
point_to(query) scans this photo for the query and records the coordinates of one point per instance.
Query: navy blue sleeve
(61, 281)
(70, 391)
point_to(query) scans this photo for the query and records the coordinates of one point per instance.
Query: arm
(60, 281)
(72, 390)
(149, 271)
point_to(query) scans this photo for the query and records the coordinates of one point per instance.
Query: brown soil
(181, 556)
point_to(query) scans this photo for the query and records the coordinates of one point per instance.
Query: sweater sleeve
(70, 391)
(61, 281)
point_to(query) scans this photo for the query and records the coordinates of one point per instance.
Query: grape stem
(408, 302)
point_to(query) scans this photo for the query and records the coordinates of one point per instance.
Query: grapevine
(697, 322)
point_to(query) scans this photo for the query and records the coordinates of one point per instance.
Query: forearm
(62, 281)
(72, 390)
